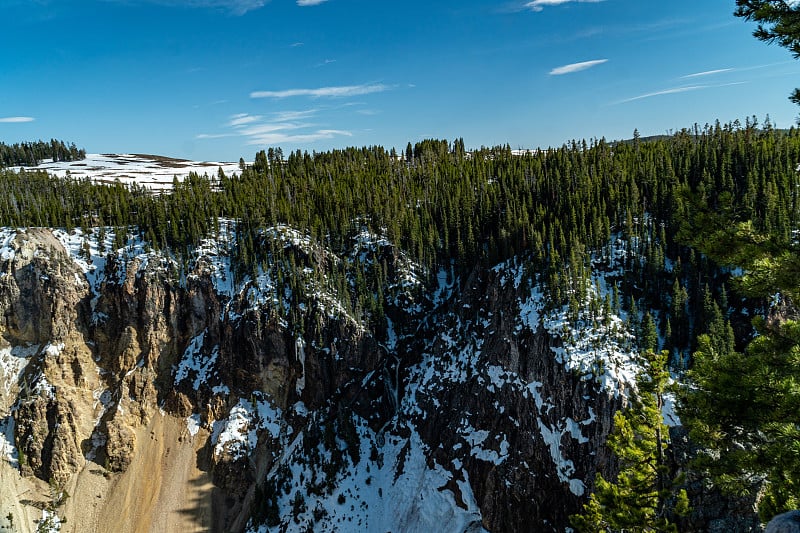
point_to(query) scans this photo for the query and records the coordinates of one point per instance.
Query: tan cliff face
(88, 399)
(41, 295)
(97, 403)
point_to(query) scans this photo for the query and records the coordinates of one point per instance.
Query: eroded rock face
(41, 290)
(462, 384)
(104, 357)
(46, 439)
(524, 427)
(120, 445)
(42, 294)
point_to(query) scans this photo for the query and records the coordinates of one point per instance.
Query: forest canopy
(558, 208)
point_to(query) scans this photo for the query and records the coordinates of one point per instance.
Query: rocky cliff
(145, 393)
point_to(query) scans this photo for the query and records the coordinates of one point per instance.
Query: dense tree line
(441, 204)
(30, 154)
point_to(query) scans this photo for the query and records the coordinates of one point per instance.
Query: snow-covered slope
(151, 171)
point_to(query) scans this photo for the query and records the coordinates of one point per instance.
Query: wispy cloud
(243, 118)
(287, 116)
(214, 135)
(677, 90)
(576, 67)
(283, 127)
(324, 92)
(237, 7)
(737, 69)
(707, 73)
(310, 2)
(674, 90)
(16, 120)
(214, 103)
(300, 138)
(538, 5)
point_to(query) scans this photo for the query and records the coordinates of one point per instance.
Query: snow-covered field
(151, 171)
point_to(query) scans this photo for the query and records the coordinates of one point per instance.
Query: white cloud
(677, 90)
(214, 135)
(310, 2)
(16, 120)
(538, 5)
(324, 92)
(674, 90)
(237, 7)
(299, 138)
(707, 73)
(267, 128)
(286, 116)
(282, 127)
(576, 67)
(736, 69)
(243, 118)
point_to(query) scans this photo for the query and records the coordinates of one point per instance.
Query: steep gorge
(170, 397)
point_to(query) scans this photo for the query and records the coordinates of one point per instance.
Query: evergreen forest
(683, 205)
(442, 204)
(30, 154)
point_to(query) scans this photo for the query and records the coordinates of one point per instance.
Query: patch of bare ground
(163, 490)
(22, 498)
(165, 161)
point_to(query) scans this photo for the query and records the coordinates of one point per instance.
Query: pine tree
(648, 340)
(645, 493)
(744, 408)
(777, 22)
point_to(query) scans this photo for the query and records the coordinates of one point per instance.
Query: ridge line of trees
(30, 154)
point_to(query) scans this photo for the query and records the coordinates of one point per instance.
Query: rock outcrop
(785, 523)
(525, 428)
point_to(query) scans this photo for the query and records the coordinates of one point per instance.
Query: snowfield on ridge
(150, 171)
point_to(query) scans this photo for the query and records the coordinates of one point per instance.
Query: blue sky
(221, 79)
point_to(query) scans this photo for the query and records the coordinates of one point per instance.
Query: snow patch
(13, 361)
(193, 424)
(195, 362)
(564, 467)
(238, 434)
(7, 252)
(54, 350)
(212, 258)
(44, 388)
(668, 411)
(8, 450)
(49, 523)
(300, 353)
(596, 349)
(398, 491)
